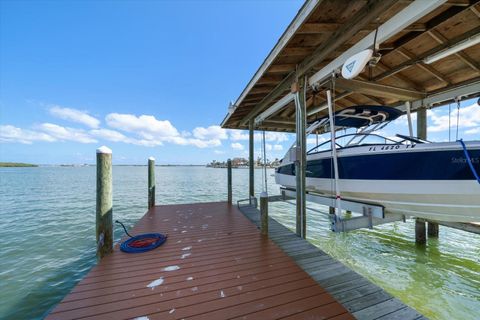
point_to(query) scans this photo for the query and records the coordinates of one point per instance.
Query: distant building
(239, 162)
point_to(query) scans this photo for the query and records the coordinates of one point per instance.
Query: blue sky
(146, 78)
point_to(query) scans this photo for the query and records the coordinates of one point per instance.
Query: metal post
(264, 213)
(331, 215)
(250, 159)
(301, 161)
(151, 182)
(409, 118)
(104, 210)
(338, 199)
(229, 181)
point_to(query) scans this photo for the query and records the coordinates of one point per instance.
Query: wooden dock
(214, 265)
(357, 294)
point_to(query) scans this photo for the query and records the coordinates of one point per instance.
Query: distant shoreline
(16, 165)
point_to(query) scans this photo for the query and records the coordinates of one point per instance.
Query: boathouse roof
(414, 39)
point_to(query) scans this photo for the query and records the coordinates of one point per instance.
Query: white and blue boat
(408, 176)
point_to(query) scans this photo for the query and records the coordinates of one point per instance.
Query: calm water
(47, 224)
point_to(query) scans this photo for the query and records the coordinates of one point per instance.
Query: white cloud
(115, 136)
(473, 131)
(204, 143)
(194, 142)
(110, 135)
(9, 133)
(66, 133)
(268, 146)
(403, 120)
(210, 133)
(154, 132)
(238, 135)
(274, 136)
(469, 118)
(237, 146)
(278, 147)
(313, 140)
(218, 151)
(75, 115)
(145, 143)
(146, 126)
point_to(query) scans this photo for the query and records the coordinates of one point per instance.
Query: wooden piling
(151, 182)
(229, 181)
(264, 213)
(432, 229)
(422, 134)
(251, 164)
(420, 232)
(299, 90)
(422, 123)
(104, 211)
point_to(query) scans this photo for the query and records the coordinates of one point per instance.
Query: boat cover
(364, 115)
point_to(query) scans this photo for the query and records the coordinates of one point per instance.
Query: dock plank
(357, 294)
(224, 269)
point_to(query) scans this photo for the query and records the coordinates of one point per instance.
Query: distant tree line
(17, 164)
(244, 163)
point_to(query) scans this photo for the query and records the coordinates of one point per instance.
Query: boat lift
(371, 214)
(292, 98)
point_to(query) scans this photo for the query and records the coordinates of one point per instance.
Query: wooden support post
(229, 181)
(264, 213)
(299, 89)
(104, 211)
(432, 229)
(420, 232)
(422, 123)
(251, 164)
(422, 134)
(151, 182)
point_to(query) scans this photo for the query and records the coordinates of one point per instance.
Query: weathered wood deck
(222, 268)
(362, 298)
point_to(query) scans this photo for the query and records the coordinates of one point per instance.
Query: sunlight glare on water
(48, 228)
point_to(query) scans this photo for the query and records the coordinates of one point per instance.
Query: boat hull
(440, 193)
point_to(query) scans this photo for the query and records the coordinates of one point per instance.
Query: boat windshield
(354, 139)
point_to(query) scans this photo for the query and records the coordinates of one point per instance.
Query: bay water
(47, 226)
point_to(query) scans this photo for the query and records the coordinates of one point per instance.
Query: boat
(406, 175)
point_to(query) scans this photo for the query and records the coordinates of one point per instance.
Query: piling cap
(264, 194)
(105, 150)
(151, 158)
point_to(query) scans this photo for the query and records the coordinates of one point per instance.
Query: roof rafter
(418, 59)
(378, 90)
(441, 40)
(365, 16)
(407, 54)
